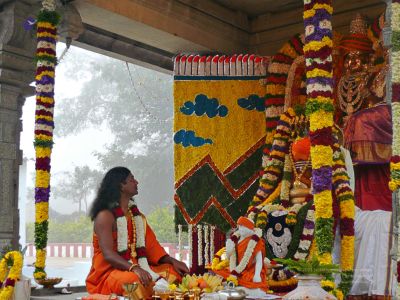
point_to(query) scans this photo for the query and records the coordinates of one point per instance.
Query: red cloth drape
(371, 188)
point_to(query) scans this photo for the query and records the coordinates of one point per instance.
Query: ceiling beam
(113, 45)
(169, 25)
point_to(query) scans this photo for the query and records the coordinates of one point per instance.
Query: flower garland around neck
(394, 183)
(135, 246)
(7, 282)
(237, 269)
(46, 60)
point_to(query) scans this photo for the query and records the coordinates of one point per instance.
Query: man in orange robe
(109, 269)
(254, 274)
(104, 279)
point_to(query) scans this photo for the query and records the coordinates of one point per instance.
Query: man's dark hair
(109, 192)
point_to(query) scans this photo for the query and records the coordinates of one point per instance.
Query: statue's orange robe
(246, 277)
(105, 279)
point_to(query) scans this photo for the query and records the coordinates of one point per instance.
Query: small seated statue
(245, 250)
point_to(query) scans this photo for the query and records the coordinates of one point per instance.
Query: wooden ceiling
(168, 27)
(254, 8)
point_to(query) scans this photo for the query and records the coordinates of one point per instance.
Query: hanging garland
(318, 55)
(345, 197)
(47, 21)
(277, 75)
(7, 282)
(274, 167)
(394, 183)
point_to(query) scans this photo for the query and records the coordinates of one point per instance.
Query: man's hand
(144, 276)
(178, 266)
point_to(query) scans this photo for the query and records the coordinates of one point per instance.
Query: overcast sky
(67, 152)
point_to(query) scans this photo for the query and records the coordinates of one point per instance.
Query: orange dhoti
(105, 279)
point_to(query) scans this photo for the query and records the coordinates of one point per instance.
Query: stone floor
(73, 296)
(49, 294)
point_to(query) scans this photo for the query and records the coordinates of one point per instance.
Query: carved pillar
(17, 48)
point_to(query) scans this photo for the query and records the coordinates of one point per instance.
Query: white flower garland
(247, 254)
(212, 233)
(180, 242)
(190, 244)
(396, 128)
(140, 242)
(122, 236)
(199, 246)
(207, 246)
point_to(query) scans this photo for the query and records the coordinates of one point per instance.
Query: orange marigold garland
(47, 21)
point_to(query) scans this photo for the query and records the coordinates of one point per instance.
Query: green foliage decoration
(309, 267)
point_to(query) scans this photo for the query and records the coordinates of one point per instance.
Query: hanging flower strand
(47, 21)
(190, 244)
(199, 245)
(318, 55)
(394, 183)
(180, 242)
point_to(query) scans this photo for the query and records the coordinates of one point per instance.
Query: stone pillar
(17, 48)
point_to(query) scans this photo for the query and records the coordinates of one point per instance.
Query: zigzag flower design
(47, 21)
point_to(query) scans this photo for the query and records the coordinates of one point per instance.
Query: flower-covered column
(318, 56)
(47, 21)
(395, 67)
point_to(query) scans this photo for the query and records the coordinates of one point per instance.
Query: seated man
(125, 247)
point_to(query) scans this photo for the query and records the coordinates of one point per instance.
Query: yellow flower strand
(323, 201)
(320, 120)
(347, 246)
(321, 156)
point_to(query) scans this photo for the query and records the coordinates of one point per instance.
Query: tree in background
(161, 220)
(139, 116)
(78, 186)
(78, 229)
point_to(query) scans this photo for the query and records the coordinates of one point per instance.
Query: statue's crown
(358, 25)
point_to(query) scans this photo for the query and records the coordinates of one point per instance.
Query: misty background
(107, 114)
